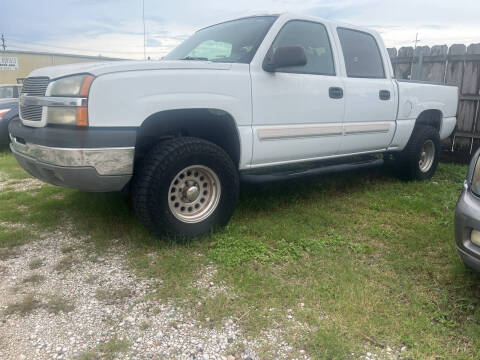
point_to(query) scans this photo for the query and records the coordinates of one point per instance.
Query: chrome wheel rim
(427, 155)
(194, 194)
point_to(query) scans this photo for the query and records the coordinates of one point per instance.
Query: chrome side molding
(298, 131)
(367, 127)
(314, 130)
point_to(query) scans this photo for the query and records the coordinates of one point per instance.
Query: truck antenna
(143, 19)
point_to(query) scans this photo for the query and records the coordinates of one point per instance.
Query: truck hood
(100, 68)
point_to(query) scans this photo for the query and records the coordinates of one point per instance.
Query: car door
(370, 94)
(297, 111)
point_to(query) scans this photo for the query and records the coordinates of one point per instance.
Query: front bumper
(469, 260)
(467, 217)
(87, 166)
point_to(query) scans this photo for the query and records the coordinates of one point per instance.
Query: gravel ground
(18, 185)
(79, 306)
(58, 300)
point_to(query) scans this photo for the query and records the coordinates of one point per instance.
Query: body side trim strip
(296, 131)
(315, 130)
(367, 127)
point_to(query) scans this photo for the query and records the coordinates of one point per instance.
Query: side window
(361, 53)
(313, 38)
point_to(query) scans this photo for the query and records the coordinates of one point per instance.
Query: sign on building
(8, 63)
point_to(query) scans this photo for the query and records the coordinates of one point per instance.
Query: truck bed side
(415, 99)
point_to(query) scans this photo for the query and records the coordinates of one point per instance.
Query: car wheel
(419, 159)
(185, 187)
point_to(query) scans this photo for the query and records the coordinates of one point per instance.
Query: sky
(114, 28)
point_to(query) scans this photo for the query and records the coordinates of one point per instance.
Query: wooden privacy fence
(458, 65)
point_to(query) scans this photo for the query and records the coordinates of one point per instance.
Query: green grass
(112, 296)
(372, 260)
(51, 302)
(34, 279)
(24, 306)
(65, 263)
(107, 350)
(35, 263)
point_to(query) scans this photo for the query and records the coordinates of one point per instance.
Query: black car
(8, 111)
(467, 217)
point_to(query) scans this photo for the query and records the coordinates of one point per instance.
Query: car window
(18, 92)
(6, 92)
(313, 38)
(361, 53)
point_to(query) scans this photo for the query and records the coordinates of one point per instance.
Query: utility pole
(3, 43)
(417, 40)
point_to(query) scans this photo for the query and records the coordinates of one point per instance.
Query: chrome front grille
(31, 112)
(33, 86)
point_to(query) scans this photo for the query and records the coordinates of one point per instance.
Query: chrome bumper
(106, 161)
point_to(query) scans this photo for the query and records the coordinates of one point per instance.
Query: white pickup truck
(258, 98)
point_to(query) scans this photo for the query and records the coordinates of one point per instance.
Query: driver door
(298, 110)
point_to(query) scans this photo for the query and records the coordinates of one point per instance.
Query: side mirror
(285, 56)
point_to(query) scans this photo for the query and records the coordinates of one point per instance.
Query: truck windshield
(233, 41)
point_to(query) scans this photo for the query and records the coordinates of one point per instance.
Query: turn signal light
(86, 85)
(3, 112)
(82, 116)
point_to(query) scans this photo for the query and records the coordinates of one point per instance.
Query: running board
(323, 170)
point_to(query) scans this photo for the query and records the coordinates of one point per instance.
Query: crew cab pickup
(257, 98)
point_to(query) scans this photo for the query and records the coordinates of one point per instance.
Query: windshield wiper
(195, 58)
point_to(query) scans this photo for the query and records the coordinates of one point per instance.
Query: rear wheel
(419, 159)
(185, 187)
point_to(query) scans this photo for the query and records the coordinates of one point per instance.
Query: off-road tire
(408, 161)
(154, 175)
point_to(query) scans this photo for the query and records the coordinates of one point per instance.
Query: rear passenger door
(370, 94)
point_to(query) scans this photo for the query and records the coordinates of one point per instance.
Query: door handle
(335, 92)
(384, 95)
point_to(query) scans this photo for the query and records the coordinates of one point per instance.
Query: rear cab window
(361, 54)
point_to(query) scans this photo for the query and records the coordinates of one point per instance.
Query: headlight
(62, 115)
(77, 85)
(72, 86)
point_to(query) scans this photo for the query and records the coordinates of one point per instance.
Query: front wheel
(419, 159)
(185, 187)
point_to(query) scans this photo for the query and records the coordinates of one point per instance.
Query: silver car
(467, 217)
